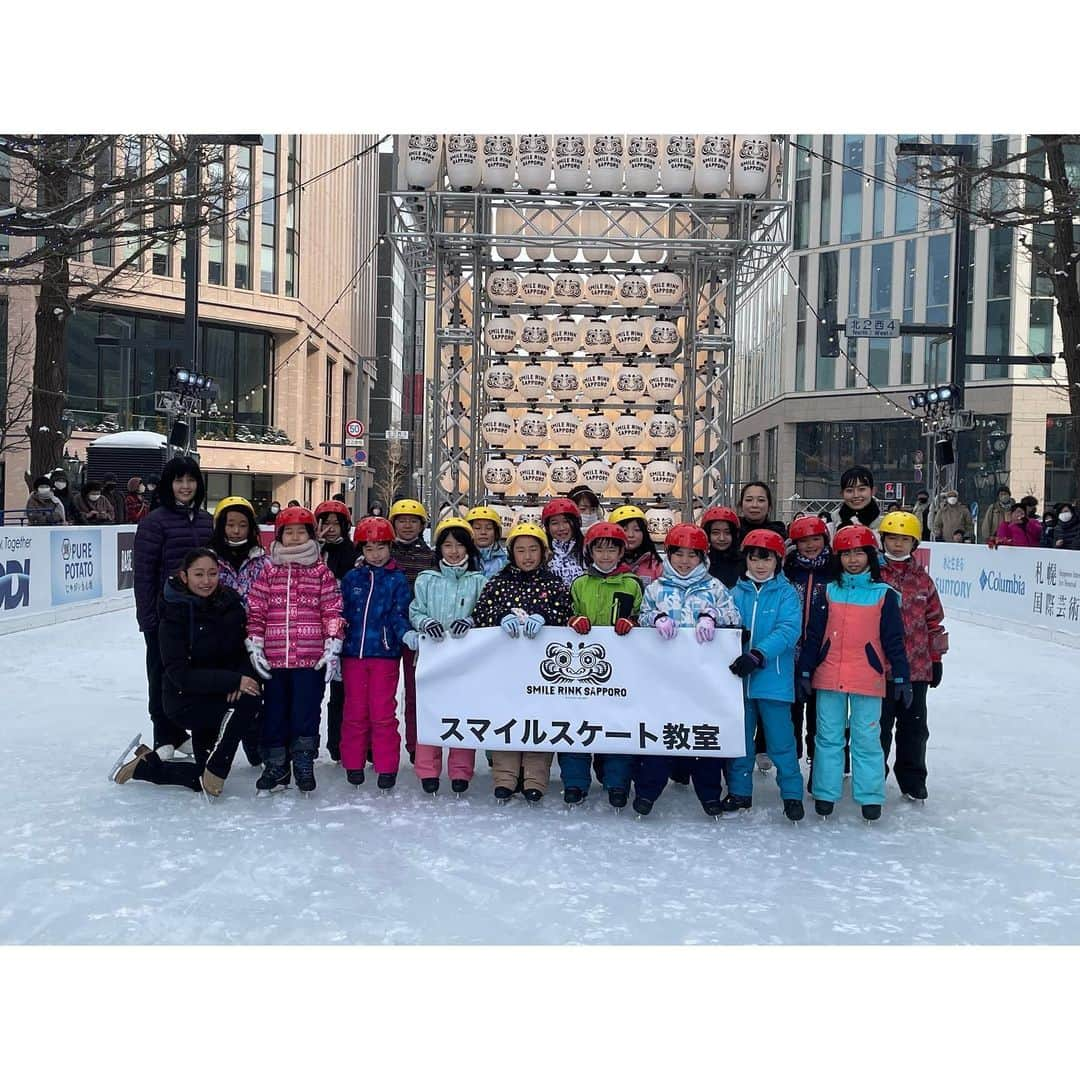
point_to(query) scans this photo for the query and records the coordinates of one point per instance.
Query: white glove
(331, 659)
(411, 640)
(259, 662)
(533, 624)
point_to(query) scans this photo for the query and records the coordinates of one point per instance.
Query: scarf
(866, 516)
(305, 554)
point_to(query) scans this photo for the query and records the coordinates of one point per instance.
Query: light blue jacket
(774, 615)
(445, 595)
(686, 599)
(492, 559)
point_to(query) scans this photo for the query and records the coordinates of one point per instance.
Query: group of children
(840, 634)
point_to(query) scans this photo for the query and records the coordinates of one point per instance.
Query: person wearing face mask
(1017, 531)
(997, 512)
(270, 513)
(162, 539)
(62, 490)
(91, 506)
(152, 499)
(110, 491)
(952, 517)
(1067, 529)
(1049, 523)
(43, 507)
(921, 510)
(135, 506)
(584, 498)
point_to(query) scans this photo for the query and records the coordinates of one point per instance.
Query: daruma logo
(575, 662)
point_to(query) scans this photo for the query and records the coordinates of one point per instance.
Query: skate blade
(617, 810)
(502, 802)
(119, 763)
(262, 793)
(913, 799)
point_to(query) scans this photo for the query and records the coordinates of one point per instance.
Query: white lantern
(751, 166)
(642, 164)
(596, 382)
(501, 332)
(677, 164)
(629, 383)
(606, 163)
(661, 476)
(596, 337)
(532, 381)
(534, 162)
(507, 223)
(448, 473)
(633, 291)
(499, 381)
(652, 228)
(663, 337)
(464, 168)
(498, 162)
(503, 287)
(497, 426)
(596, 430)
(564, 428)
(533, 428)
(663, 430)
(537, 233)
(535, 335)
(506, 516)
(532, 475)
(600, 289)
(565, 336)
(627, 476)
(571, 163)
(629, 429)
(659, 520)
(667, 288)
(594, 225)
(595, 472)
(528, 515)
(569, 289)
(423, 159)
(663, 384)
(536, 288)
(629, 338)
(565, 224)
(499, 475)
(564, 475)
(712, 171)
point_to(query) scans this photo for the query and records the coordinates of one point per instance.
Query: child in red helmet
(562, 522)
(294, 640)
(726, 562)
(848, 644)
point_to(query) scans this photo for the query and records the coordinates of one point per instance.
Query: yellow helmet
(233, 502)
(484, 513)
(447, 522)
(626, 513)
(408, 506)
(901, 523)
(527, 528)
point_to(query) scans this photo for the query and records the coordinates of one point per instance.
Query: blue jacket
(773, 614)
(492, 559)
(375, 606)
(686, 599)
(445, 595)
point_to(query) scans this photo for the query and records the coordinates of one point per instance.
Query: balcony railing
(207, 429)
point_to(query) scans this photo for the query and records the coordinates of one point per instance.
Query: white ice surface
(994, 856)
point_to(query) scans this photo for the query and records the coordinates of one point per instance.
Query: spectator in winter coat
(951, 517)
(921, 510)
(1067, 529)
(270, 513)
(62, 490)
(91, 506)
(43, 507)
(443, 604)
(110, 491)
(162, 539)
(153, 499)
(135, 506)
(996, 513)
(859, 507)
(1049, 522)
(524, 584)
(1019, 530)
(209, 686)
(294, 640)
(755, 509)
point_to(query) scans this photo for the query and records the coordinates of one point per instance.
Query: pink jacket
(294, 609)
(1026, 535)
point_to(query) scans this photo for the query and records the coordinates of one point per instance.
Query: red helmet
(605, 530)
(294, 515)
(808, 526)
(720, 513)
(560, 506)
(767, 539)
(687, 536)
(373, 530)
(851, 537)
(332, 506)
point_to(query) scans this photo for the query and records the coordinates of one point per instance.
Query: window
(933, 205)
(328, 429)
(907, 202)
(1000, 196)
(825, 368)
(326, 490)
(161, 253)
(770, 456)
(880, 143)
(215, 249)
(1041, 307)
(853, 184)
(880, 307)
(5, 180)
(907, 343)
(801, 228)
(132, 150)
(292, 217)
(309, 491)
(268, 252)
(242, 241)
(101, 251)
(3, 353)
(800, 327)
(999, 300)
(938, 297)
(826, 188)
(854, 280)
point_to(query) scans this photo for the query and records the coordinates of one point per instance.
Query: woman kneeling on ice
(208, 685)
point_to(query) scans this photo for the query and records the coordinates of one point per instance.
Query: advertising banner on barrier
(76, 565)
(594, 694)
(1030, 586)
(125, 561)
(18, 556)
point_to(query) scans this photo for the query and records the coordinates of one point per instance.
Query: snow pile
(994, 856)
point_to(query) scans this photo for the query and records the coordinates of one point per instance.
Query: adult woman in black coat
(755, 509)
(208, 686)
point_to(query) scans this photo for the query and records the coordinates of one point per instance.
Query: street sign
(353, 429)
(359, 457)
(396, 433)
(871, 328)
(354, 442)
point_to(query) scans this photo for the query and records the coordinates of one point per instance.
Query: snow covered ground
(993, 857)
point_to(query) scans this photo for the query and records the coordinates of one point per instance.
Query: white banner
(594, 694)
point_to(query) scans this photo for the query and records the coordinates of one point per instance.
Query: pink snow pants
(429, 762)
(370, 715)
(408, 662)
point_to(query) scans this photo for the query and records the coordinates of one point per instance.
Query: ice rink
(993, 856)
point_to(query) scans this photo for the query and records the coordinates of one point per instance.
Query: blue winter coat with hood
(774, 615)
(375, 606)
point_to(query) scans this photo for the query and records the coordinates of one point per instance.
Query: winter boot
(714, 807)
(731, 803)
(617, 798)
(276, 771)
(793, 809)
(386, 780)
(430, 784)
(642, 806)
(823, 807)
(871, 812)
(572, 796)
(303, 762)
(459, 787)
(533, 795)
(355, 776)
(503, 794)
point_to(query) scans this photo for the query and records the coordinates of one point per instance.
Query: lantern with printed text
(629, 429)
(497, 427)
(503, 286)
(532, 475)
(532, 381)
(661, 475)
(502, 332)
(627, 475)
(642, 164)
(677, 164)
(564, 427)
(596, 337)
(534, 162)
(596, 382)
(606, 163)
(464, 168)
(564, 475)
(498, 162)
(499, 381)
(712, 171)
(423, 161)
(571, 163)
(532, 428)
(751, 167)
(569, 289)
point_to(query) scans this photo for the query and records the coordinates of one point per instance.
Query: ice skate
(573, 797)
(764, 764)
(141, 750)
(642, 807)
(617, 799)
(503, 795)
(386, 782)
(794, 810)
(916, 796)
(354, 776)
(713, 808)
(303, 765)
(212, 784)
(732, 804)
(533, 796)
(459, 787)
(275, 776)
(823, 808)
(871, 812)
(185, 750)
(430, 784)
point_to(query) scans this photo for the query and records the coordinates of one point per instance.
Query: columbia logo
(983, 579)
